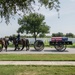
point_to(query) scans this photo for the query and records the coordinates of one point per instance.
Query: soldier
(18, 38)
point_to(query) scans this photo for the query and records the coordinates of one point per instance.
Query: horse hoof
(21, 49)
(27, 49)
(14, 49)
(18, 48)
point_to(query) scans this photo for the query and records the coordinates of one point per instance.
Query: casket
(59, 39)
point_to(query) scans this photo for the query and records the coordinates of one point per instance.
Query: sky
(64, 24)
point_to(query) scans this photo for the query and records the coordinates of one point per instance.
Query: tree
(34, 24)
(53, 35)
(42, 35)
(59, 34)
(9, 8)
(69, 35)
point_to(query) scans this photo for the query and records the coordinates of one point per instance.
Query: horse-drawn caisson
(59, 43)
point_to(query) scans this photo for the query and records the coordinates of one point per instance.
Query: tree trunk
(35, 36)
(34, 33)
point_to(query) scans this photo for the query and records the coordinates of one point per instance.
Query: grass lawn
(38, 57)
(71, 46)
(37, 70)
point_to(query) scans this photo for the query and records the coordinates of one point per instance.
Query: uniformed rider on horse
(18, 38)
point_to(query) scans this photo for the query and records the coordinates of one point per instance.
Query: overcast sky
(64, 24)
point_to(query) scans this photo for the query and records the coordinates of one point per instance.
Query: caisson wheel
(60, 47)
(38, 45)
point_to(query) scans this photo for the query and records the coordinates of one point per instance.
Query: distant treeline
(59, 34)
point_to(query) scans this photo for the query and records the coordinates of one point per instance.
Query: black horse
(3, 43)
(22, 42)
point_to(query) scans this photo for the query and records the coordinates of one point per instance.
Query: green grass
(71, 46)
(0, 46)
(37, 57)
(37, 70)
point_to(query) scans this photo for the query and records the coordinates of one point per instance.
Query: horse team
(22, 42)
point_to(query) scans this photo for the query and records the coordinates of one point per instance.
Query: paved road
(46, 50)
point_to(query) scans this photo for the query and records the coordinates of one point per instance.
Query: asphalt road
(47, 50)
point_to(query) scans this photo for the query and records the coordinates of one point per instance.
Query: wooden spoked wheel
(38, 45)
(60, 47)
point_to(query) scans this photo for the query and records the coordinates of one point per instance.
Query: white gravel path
(37, 63)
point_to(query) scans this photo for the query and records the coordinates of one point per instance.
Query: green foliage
(9, 8)
(59, 34)
(46, 43)
(42, 35)
(34, 24)
(71, 46)
(71, 35)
